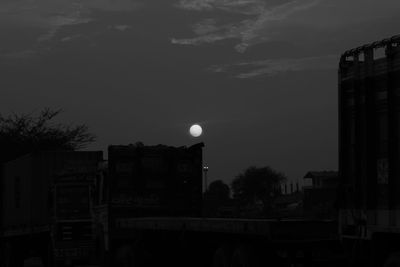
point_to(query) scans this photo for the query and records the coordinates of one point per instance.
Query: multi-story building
(369, 115)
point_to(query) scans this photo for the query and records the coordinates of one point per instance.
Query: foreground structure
(369, 149)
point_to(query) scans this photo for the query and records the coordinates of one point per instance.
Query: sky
(260, 76)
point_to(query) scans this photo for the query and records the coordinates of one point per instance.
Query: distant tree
(24, 133)
(218, 189)
(256, 185)
(217, 195)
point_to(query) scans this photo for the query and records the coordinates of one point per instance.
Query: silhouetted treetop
(257, 185)
(24, 133)
(219, 190)
(216, 196)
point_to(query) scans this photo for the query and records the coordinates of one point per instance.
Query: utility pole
(205, 170)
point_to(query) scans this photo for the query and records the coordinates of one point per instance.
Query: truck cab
(73, 229)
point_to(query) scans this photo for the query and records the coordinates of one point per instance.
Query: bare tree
(24, 133)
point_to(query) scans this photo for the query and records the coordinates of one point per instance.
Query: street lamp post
(205, 170)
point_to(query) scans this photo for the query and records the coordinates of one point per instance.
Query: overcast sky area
(260, 76)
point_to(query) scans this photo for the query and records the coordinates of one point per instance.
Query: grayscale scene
(204, 133)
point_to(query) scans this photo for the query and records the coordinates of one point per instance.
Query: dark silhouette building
(369, 151)
(156, 180)
(320, 196)
(369, 115)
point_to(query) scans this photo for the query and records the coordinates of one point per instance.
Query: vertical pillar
(393, 130)
(344, 115)
(359, 121)
(371, 131)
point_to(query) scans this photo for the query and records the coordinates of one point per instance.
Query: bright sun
(195, 130)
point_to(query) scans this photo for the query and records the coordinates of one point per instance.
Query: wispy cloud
(237, 6)
(245, 30)
(56, 22)
(208, 31)
(120, 28)
(256, 32)
(209, 38)
(47, 17)
(290, 20)
(196, 5)
(112, 5)
(71, 38)
(273, 67)
(18, 57)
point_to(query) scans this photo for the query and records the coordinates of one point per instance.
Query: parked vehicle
(48, 208)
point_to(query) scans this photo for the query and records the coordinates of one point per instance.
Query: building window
(17, 191)
(154, 165)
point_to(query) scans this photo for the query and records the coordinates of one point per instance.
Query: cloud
(18, 58)
(53, 14)
(312, 22)
(273, 67)
(112, 5)
(236, 6)
(55, 23)
(47, 7)
(196, 5)
(256, 31)
(210, 38)
(47, 17)
(18, 55)
(295, 21)
(206, 26)
(70, 38)
(121, 28)
(246, 29)
(208, 31)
